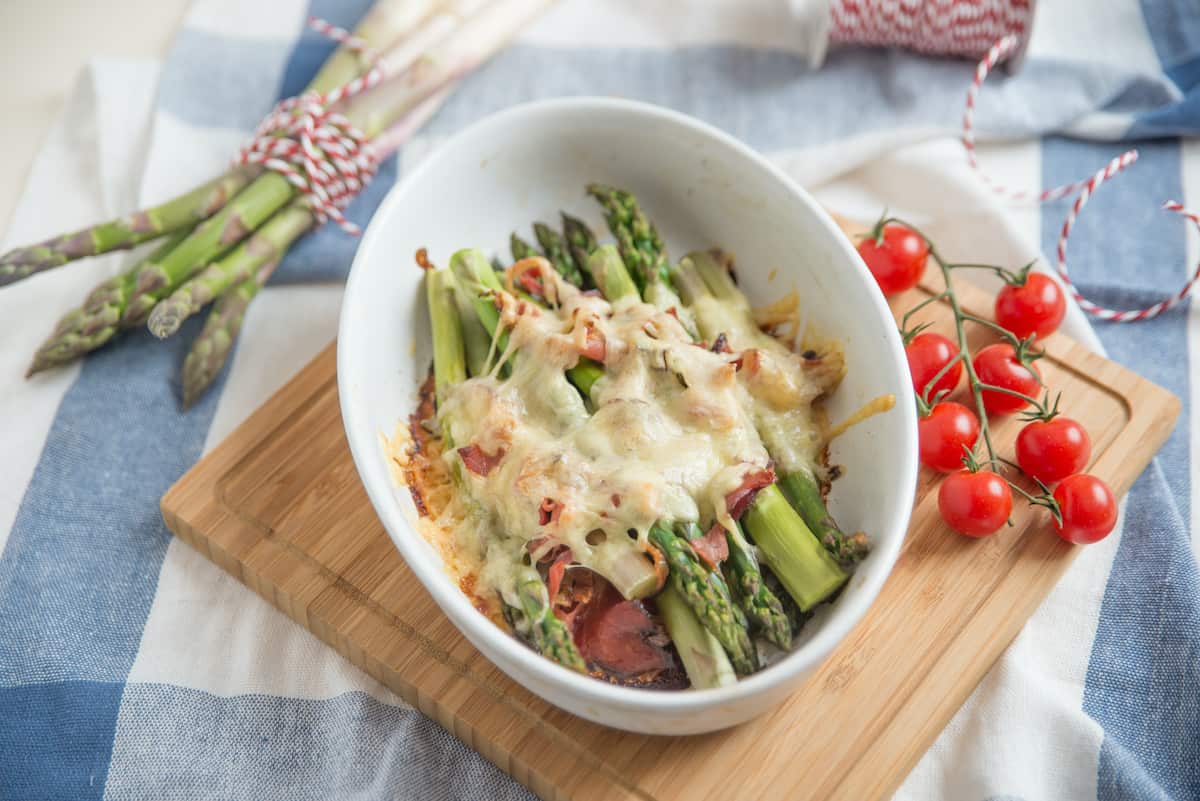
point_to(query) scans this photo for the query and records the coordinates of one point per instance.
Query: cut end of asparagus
(166, 318)
(803, 566)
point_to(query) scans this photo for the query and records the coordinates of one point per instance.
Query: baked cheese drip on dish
(673, 430)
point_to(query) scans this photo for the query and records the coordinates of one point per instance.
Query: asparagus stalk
(610, 275)
(707, 596)
(642, 250)
(210, 350)
(803, 566)
(476, 338)
(268, 243)
(580, 239)
(182, 212)
(703, 658)
(554, 247)
(386, 20)
(756, 599)
(449, 349)
(720, 307)
(549, 635)
(95, 322)
(691, 531)
(519, 248)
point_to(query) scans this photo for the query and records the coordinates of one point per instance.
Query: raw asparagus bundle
(224, 238)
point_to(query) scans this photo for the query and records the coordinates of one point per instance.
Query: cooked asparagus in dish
(622, 465)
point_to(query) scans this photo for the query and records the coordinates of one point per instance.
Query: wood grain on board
(279, 505)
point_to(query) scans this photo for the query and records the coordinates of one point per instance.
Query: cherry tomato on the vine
(998, 365)
(946, 434)
(1089, 510)
(1035, 307)
(898, 261)
(927, 354)
(1054, 449)
(975, 504)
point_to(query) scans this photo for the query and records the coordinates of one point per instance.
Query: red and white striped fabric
(317, 150)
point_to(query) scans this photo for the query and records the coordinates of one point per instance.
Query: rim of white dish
(363, 443)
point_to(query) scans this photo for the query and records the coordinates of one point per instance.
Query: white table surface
(43, 46)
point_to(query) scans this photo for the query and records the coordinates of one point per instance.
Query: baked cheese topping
(669, 432)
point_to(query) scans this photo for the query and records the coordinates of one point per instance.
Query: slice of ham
(594, 346)
(478, 461)
(549, 512)
(738, 501)
(531, 282)
(558, 569)
(712, 548)
(619, 636)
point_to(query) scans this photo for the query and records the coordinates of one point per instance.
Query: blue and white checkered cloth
(132, 668)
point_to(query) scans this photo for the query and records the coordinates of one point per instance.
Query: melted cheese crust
(669, 431)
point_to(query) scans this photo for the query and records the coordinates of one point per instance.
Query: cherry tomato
(944, 433)
(927, 354)
(1052, 450)
(1035, 307)
(997, 365)
(1089, 510)
(898, 261)
(975, 504)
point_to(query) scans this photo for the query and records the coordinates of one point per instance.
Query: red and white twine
(941, 27)
(318, 150)
(1083, 190)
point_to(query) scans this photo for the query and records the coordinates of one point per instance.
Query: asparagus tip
(165, 319)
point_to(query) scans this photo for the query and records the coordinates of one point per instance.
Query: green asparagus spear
(807, 570)
(520, 248)
(610, 275)
(182, 212)
(245, 213)
(554, 247)
(642, 250)
(449, 350)
(760, 604)
(703, 658)
(549, 635)
(209, 350)
(690, 531)
(95, 322)
(268, 243)
(580, 240)
(475, 337)
(709, 599)
(804, 494)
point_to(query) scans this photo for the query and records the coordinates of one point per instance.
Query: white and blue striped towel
(130, 667)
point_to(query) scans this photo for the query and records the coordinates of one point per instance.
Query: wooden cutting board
(279, 506)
